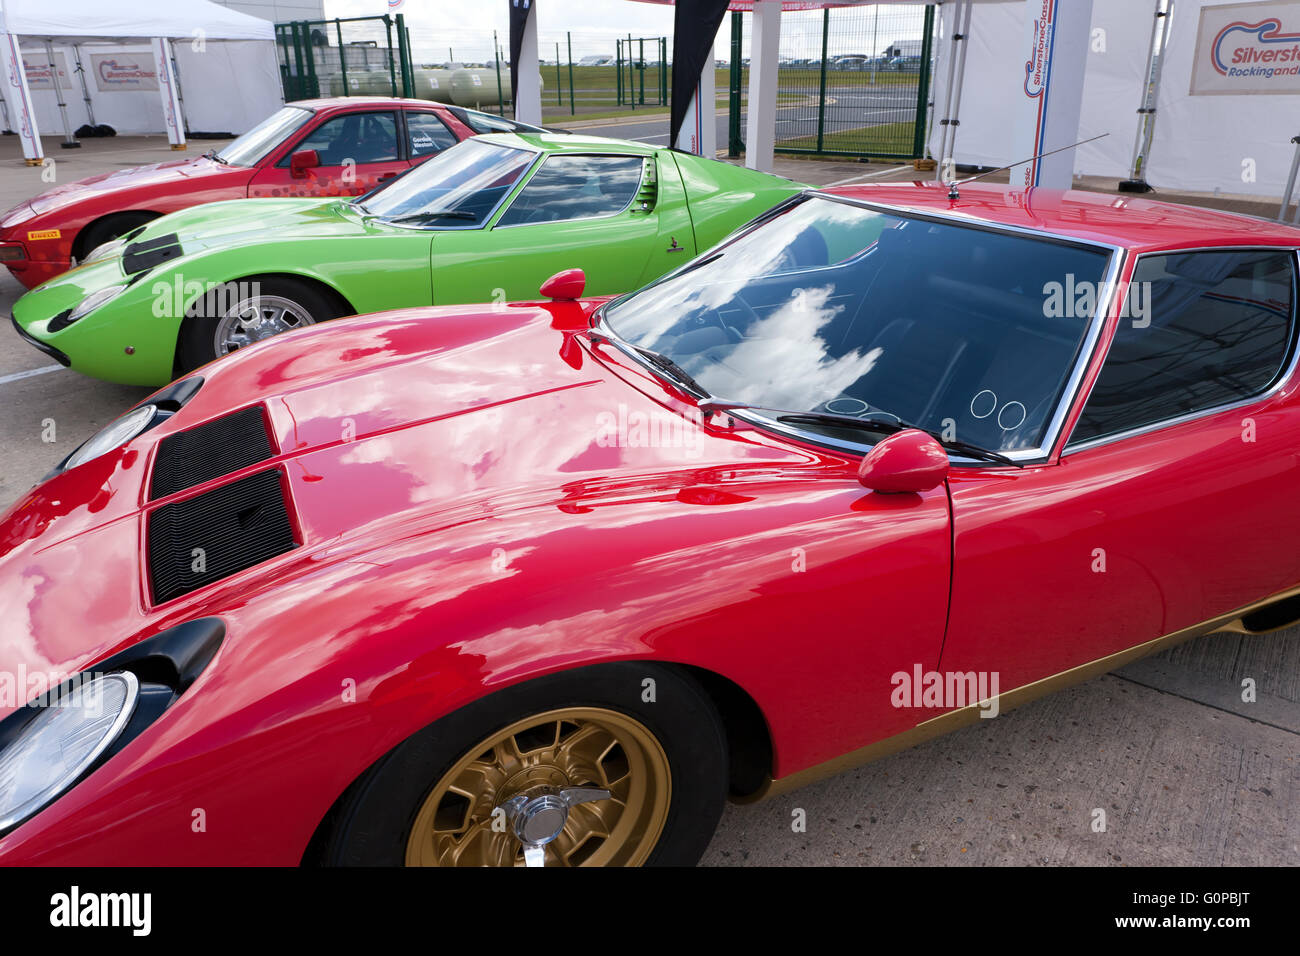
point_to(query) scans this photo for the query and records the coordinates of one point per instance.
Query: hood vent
(216, 534)
(143, 256)
(219, 447)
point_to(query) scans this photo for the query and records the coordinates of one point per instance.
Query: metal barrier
(345, 56)
(631, 67)
(852, 81)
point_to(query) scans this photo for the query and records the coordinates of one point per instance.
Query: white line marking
(4, 380)
(854, 179)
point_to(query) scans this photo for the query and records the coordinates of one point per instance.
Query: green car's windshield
(458, 188)
(835, 308)
(249, 149)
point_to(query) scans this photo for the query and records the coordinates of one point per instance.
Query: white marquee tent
(79, 61)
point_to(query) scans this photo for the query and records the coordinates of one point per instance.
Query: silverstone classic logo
(1256, 49)
(1040, 50)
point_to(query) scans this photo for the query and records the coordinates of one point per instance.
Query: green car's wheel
(237, 314)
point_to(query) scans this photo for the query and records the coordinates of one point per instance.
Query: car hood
(183, 173)
(240, 222)
(425, 427)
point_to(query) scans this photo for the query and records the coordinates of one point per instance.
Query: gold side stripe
(965, 716)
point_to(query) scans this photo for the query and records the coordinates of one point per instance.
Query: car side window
(576, 187)
(1202, 329)
(427, 134)
(356, 137)
(483, 123)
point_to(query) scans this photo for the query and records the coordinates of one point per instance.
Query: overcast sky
(466, 27)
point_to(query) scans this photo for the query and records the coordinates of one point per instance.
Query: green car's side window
(576, 187)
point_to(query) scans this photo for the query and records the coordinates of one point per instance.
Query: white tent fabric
(87, 20)
(228, 86)
(1111, 93)
(226, 59)
(1237, 143)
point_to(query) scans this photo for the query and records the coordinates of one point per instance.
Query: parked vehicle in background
(341, 146)
(488, 219)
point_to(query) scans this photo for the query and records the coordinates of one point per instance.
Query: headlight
(94, 301)
(113, 436)
(62, 742)
(105, 250)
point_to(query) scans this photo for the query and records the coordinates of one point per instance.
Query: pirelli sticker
(44, 234)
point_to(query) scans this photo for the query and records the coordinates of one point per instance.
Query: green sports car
(487, 220)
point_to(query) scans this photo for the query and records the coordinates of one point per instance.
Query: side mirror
(910, 461)
(302, 161)
(566, 285)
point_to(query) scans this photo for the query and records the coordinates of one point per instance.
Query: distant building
(902, 48)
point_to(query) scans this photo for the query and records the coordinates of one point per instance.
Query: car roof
(336, 102)
(1130, 222)
(568, 143)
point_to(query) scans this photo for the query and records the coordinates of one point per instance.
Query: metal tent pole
(180, 89)
(956, 75)
(1290, 183)
(85, 90)
(1136, 183)
(71, 141)
(952, 99)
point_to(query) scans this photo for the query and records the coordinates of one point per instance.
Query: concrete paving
(1186, 772)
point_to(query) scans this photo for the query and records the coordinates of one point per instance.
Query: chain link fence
(852, 81)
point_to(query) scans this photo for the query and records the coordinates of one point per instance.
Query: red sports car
(328, 147)
(543, 583)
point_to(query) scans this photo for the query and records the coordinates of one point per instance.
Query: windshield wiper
(665, 364)
(214, 155)
(890, 425)
(436, 214)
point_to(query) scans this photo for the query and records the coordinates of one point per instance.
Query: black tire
(195, 345)
(106, 230)
(372, 822)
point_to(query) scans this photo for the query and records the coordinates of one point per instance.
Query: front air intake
(219, 447)
(216, 534)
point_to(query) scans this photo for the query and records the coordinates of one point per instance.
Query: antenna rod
(953, 186)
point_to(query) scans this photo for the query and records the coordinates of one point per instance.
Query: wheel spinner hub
(538, 815)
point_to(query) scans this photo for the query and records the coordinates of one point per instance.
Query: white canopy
(85, 21)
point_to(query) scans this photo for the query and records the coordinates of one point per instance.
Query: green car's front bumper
(36, 343)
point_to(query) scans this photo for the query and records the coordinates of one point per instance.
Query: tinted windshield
(459, 187)
(248, 149)
(833, 307)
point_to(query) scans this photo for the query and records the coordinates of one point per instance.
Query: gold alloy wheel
(567, 748)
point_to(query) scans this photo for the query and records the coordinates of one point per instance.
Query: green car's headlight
(105, 250)
(114, 435)
(93, 301)
(62, 741)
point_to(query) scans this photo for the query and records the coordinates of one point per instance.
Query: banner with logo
(1208, 140)
(119, 72)
(1247, 48)
(37, 65)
